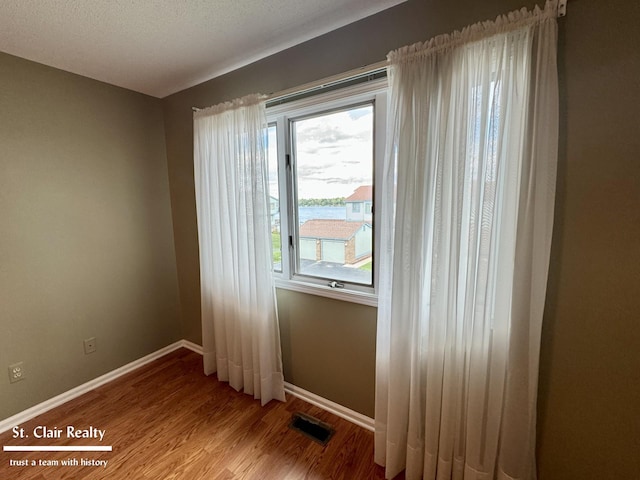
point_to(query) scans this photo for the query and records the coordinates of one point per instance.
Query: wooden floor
(167, 420)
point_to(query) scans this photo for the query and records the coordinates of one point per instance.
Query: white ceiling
(159, 47)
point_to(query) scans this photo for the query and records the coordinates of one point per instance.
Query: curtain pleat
(468, 196)
(240, 335)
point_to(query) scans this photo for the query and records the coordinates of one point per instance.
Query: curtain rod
(324, 82)
(562, 8)
(356, 72)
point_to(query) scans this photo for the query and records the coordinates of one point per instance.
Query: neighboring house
(274, 204)
(274, 210)
(336, 241)
(359, 204)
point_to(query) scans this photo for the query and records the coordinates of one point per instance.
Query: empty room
(343, 239)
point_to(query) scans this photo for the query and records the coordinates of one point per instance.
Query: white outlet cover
(90, 345)
(16, 372)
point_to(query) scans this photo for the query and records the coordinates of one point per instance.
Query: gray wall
(328, 348)
(589, 397)
(86, 245)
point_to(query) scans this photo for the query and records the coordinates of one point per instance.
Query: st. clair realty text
(69, 431)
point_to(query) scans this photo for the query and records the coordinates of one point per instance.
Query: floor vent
(311, 427)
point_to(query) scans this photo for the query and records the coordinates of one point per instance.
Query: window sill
(362, 298)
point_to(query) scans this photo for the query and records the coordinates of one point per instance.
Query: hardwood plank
(167, 420)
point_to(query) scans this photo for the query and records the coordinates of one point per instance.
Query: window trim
(269, 125)
(368, 92)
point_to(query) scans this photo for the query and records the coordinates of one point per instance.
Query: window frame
(269, 125)
(375, 92)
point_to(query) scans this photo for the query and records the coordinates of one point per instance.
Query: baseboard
(58, 400)
(194, 347)
(332, 407)
(312, 398)
(329, 406)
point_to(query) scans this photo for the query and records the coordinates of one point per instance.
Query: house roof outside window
(330, 229)
(361, 194)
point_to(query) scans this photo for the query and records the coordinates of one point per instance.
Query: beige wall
(86, 246)
(589, 398)
(329, 355)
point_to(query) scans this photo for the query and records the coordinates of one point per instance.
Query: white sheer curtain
(467, 220)
(240, 336)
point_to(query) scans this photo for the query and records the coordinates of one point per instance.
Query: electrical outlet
(16, 372)
(89, 345)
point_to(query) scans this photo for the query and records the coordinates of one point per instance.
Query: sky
(333, 153)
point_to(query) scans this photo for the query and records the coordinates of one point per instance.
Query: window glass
(333, 155)
(274, 198)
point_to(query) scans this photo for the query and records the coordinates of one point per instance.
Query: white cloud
(333, 154)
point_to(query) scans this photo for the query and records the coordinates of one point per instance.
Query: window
(274, 198)
(324, 185)
(367, 208)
